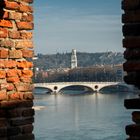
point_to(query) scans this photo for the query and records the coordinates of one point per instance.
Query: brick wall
(16, 48)
(131, 41)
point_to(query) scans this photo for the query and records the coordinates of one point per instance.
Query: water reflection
(95, 116)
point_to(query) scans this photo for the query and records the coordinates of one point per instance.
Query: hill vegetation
(62, 60)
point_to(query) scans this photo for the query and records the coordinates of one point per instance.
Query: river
(81, 117)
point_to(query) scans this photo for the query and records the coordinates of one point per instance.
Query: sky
(84, 25)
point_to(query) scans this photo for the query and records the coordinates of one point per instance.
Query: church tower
(73, 59)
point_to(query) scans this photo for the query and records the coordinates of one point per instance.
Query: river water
(81, 117)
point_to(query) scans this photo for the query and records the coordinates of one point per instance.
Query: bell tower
(73, 59)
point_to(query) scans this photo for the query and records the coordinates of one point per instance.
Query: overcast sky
(85, 25)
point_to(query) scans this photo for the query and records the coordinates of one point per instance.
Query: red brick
(24, 44)
(6, 23)
(11, 5)
(10, 63)
(13, 79)
(26, 79)
(2, 64)
(7, 86)
(25, 25)
(26, 35)
(25, 8)
(11, 73)
(15, 15)
(3, 96)
(5, 15)
(28, 96)
(23, 87)
(3, 33)
(14, 96)
(7, 43)
(3, 53)
(27, 17)
(2, 74)
(15, 54)
(27, 73)
(28, 1)
(27, 53)
(24, 64)
(14, 34)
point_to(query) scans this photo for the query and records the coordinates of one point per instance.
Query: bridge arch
(76, 86)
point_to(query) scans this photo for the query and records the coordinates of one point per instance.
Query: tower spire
(73, 59)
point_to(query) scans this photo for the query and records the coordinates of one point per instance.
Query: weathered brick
(15, 15)
(6, 23)
(27, 73)
(2, 74)
(11, 73)
(23, 87)
(3, 96)
(7, 43)
(27, 53)
(7, 86)
(28, 96)
(25, 8)
(26, 35)
(14, 34)
(28, 1)
(24, 64)
(24, 44)
(27, 17)
(11, 5)
(4, 53)
(3, 33)
(5, 15)
(2, 64)
(25, 25)
(15, 54)
(10, 63)
(13, 79)
(26, 79)
(14, 96)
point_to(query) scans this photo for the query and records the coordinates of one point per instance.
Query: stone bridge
(94, 86)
